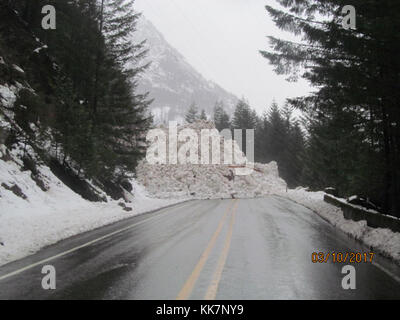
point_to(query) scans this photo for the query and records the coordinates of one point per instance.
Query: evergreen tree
(120, 21)
(203, 115)
(121, 115)
(355, 72)
(276, 139)
(295, 155)
(280, 138)
(99, 119)
(192, 114)
(261, 145)
(244, 118)
(221, 118)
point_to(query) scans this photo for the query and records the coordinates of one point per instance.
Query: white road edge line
(82, 246)
(389, 273)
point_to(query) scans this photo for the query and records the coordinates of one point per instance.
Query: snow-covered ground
(31, 218)
(384, 241)
(44, 218)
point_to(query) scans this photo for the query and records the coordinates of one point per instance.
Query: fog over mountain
(173, 83)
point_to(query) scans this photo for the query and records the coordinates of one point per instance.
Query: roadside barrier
(374, 219)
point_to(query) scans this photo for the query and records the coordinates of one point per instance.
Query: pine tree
(221, 118)
(192, 114)
(279, 138)
(295, 155)
(244, 118)
(355, 72)
(261, 145)
(122, 115)
(203, 115)
(100, 119)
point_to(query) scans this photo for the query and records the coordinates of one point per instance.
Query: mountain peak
(173, 82)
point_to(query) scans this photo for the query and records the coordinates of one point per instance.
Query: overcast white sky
(222, 39)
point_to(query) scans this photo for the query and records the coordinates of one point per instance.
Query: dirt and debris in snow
(208, 181)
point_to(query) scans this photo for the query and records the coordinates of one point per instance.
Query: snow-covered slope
(36, 208)
(172, 82)
(31, 218)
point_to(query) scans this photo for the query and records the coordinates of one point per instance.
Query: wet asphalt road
(214, 249)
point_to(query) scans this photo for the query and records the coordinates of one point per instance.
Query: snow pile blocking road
(208, 181)
(384, 241)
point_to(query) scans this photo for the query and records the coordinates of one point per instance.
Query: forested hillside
(353, 117)
(75, 101)
(279, 136)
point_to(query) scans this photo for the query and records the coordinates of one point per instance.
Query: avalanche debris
(208, 181)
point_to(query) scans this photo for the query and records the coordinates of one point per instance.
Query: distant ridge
(173, 82)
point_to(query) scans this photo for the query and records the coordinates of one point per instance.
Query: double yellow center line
(213, 287)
